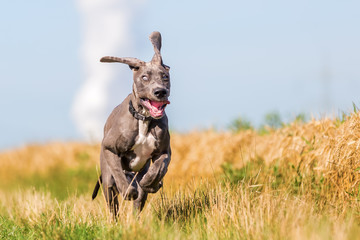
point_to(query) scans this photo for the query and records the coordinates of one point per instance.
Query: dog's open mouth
(156, 108)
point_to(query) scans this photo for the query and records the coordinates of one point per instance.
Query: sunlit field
(297, 181)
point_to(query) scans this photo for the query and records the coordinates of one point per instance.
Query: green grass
(59, 181)
(253, 202)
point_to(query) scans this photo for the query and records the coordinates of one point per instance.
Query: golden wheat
(323, 146)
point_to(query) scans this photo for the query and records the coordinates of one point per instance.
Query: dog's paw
(152, 188)
(131, 193)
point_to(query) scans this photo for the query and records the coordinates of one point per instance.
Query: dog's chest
(143, 147)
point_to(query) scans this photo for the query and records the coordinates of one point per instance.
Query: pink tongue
(158, 104)
(155, 107)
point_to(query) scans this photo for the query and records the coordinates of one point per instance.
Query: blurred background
(227, 58)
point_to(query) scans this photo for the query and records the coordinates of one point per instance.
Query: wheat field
(300, 181)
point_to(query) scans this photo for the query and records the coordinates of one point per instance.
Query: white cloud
(106, 31)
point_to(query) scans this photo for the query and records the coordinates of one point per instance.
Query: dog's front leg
(129, 192)
(151, 182)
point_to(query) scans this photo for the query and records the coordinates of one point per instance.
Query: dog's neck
(138, 115)
(137, 110)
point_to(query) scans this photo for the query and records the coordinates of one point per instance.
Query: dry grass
(40, 158)
(320, 145)
(300, 181)
(326, 147)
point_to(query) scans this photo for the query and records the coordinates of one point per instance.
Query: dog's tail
(96, 189)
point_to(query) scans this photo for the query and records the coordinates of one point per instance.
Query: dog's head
(151, 86)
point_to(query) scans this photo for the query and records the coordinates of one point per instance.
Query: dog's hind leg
(114, 203)
(109, 188)
(111, 194)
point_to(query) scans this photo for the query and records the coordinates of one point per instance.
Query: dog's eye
(165, 77)
(145, 78)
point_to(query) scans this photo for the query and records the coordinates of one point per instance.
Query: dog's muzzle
(156, 108)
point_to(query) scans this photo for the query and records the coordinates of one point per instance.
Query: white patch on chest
(143, 147)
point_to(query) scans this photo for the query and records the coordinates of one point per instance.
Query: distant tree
(240, 124)
(301, 117)
(273, 120)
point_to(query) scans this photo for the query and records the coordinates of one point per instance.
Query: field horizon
(294, 181)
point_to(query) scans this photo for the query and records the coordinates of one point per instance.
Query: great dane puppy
(135, 151)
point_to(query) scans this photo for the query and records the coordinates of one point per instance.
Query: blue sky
(227, 58)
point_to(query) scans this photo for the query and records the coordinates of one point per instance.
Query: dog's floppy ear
(133, 63)
(155, 38)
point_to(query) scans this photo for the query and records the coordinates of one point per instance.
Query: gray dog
(137, 132)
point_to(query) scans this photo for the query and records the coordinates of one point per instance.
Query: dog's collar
(136, 114)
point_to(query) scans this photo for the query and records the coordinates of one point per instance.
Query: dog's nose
(160, 92)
